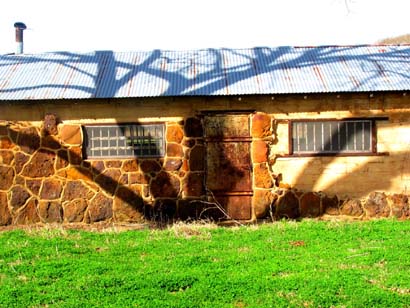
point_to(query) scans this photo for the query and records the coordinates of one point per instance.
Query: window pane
(103, 131)
(295, 143)
(310, 138)
(318, 136)
(302, 137)
(334, 139)
(112, 131)
(350, 136)
(367, 136)
(342, 136)
(359, 136)
(122, 142)
(127, 131)
(327, 137)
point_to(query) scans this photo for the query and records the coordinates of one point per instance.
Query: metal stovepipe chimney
(20, 27)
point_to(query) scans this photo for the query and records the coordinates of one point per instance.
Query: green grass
(284, 264)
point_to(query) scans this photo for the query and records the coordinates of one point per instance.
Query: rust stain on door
(229, 173)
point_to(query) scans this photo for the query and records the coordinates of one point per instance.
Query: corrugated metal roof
(280, 70)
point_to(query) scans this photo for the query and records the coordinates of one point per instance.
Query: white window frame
(124, 140)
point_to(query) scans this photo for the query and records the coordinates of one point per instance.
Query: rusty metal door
(229, 171)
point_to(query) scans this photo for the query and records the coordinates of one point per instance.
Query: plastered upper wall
(280, 107)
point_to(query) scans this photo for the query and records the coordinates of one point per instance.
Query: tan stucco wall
(351, 176)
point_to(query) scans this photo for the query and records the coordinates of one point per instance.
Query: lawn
(283, 264)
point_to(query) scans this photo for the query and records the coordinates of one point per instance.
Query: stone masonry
(279, 200)
(43, 177)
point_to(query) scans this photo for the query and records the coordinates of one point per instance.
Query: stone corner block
(50, 124)
(193, 127)
(174, 133)
(193, 184)
(262, 201)
(260, 151)
(261, 125)
(175, 150)
(70, 134)
(262, 176)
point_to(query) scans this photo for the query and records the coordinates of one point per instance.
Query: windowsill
(120, 157)
(333, 155)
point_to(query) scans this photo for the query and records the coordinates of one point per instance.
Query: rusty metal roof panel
(241, 71)
(280, 70)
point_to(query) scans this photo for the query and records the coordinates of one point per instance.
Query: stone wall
(43, 177)
(291, 203)
(293, 187)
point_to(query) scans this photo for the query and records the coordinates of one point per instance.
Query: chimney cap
(20, 25)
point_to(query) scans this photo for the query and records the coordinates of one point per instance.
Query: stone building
(227, 134)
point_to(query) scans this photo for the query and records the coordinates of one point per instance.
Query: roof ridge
(192, 50)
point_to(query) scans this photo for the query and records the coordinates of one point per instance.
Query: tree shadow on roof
(105, 74)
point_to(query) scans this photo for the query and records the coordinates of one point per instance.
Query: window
(124, 140)
(333, 137)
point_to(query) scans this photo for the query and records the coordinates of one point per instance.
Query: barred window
(124, 140)
(345, 136)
